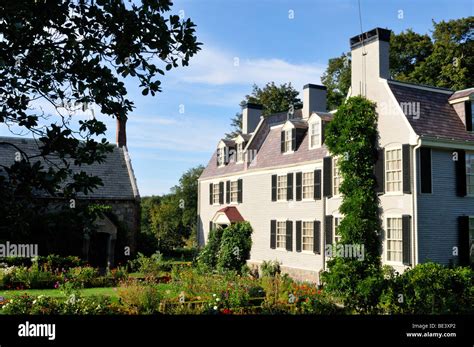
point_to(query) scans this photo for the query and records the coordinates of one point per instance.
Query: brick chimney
(370, 60)
(121, 135)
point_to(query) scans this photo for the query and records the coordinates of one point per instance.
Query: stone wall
(294, 273)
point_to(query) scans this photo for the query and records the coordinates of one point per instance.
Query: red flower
(226, 311)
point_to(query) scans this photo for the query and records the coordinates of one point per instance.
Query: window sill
(394, 194)
(288, 152)
(308, 200)
(281, 250)
(308, 252)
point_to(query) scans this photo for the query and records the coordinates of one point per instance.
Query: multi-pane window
(215, 193)
(308, 185)
(337, 221)
(281, 187)
(470, 173)
(394, 239)
(336, 177)
(281, 235)
(307, 236)
(393, 170)
(220, 156)
(315, 139)
(233, 191)
(315, 134)
(240, 152)
(287, 140)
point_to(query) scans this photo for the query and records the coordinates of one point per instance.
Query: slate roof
(461, 93)
(269, 150)
(118, 182)
(437, 119)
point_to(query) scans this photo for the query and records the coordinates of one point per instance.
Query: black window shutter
(227, 192)
(289, 186)
(327, 173)
(239, 190)
(298, 236)
(406, 239)
(282, 143)
(274, 187)
(461, 184)
(293, 139)
(317, 184)
(211, 225)
(328, 220)
(221, 193)
(463, 242)
(289, 235)
(210, 194)
(425, 170)
(468, 113)
(226, 155)
(300, 132)
(299, 177)
(323, 130)
(406, 169)
(273, 227)
(317, 237)
(218, 153)
(380, 171)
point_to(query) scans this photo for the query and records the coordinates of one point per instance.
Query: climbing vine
(352, 136)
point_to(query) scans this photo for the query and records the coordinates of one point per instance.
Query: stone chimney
(121, 135)
(370, 60)
(314, 99)
(251, 114)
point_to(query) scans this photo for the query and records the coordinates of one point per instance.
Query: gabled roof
(115, 172)
(462, 93)
(267, 140)
(437, 118)
(232, 213)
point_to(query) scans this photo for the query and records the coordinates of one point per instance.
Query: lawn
(110, 292)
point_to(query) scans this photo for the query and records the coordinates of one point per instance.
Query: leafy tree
(273, 98)
(166, 223)
(337, 79)
(444, 59)
(209, 254)
(352, 136)
(73, 55)
(146, 240)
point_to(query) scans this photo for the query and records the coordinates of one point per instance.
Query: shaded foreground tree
(57, 58)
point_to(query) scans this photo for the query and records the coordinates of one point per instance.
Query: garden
(218, 281)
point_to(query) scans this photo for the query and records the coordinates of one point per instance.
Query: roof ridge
(422, 86)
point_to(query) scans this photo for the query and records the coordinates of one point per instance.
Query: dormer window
(220, 156)
(315, 134)
(287, 143)
(240, 152)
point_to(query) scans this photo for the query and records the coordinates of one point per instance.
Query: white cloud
(216, 67)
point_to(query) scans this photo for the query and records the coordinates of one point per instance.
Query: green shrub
(430, 289)
(208, 256)
(235, 247)
(270, 268)
(29, 278)
(83, 275)
(72, 304)
(154, 265)
(138, 298)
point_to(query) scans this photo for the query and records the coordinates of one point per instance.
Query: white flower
(215, 308)
(214, 295)
(34, 302)
(217, 299)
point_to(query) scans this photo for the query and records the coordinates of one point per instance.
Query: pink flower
(56, 285)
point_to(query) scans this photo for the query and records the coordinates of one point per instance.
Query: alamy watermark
(347, 250)
(21, 250)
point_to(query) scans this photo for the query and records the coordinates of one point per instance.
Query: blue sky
(180, 127)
